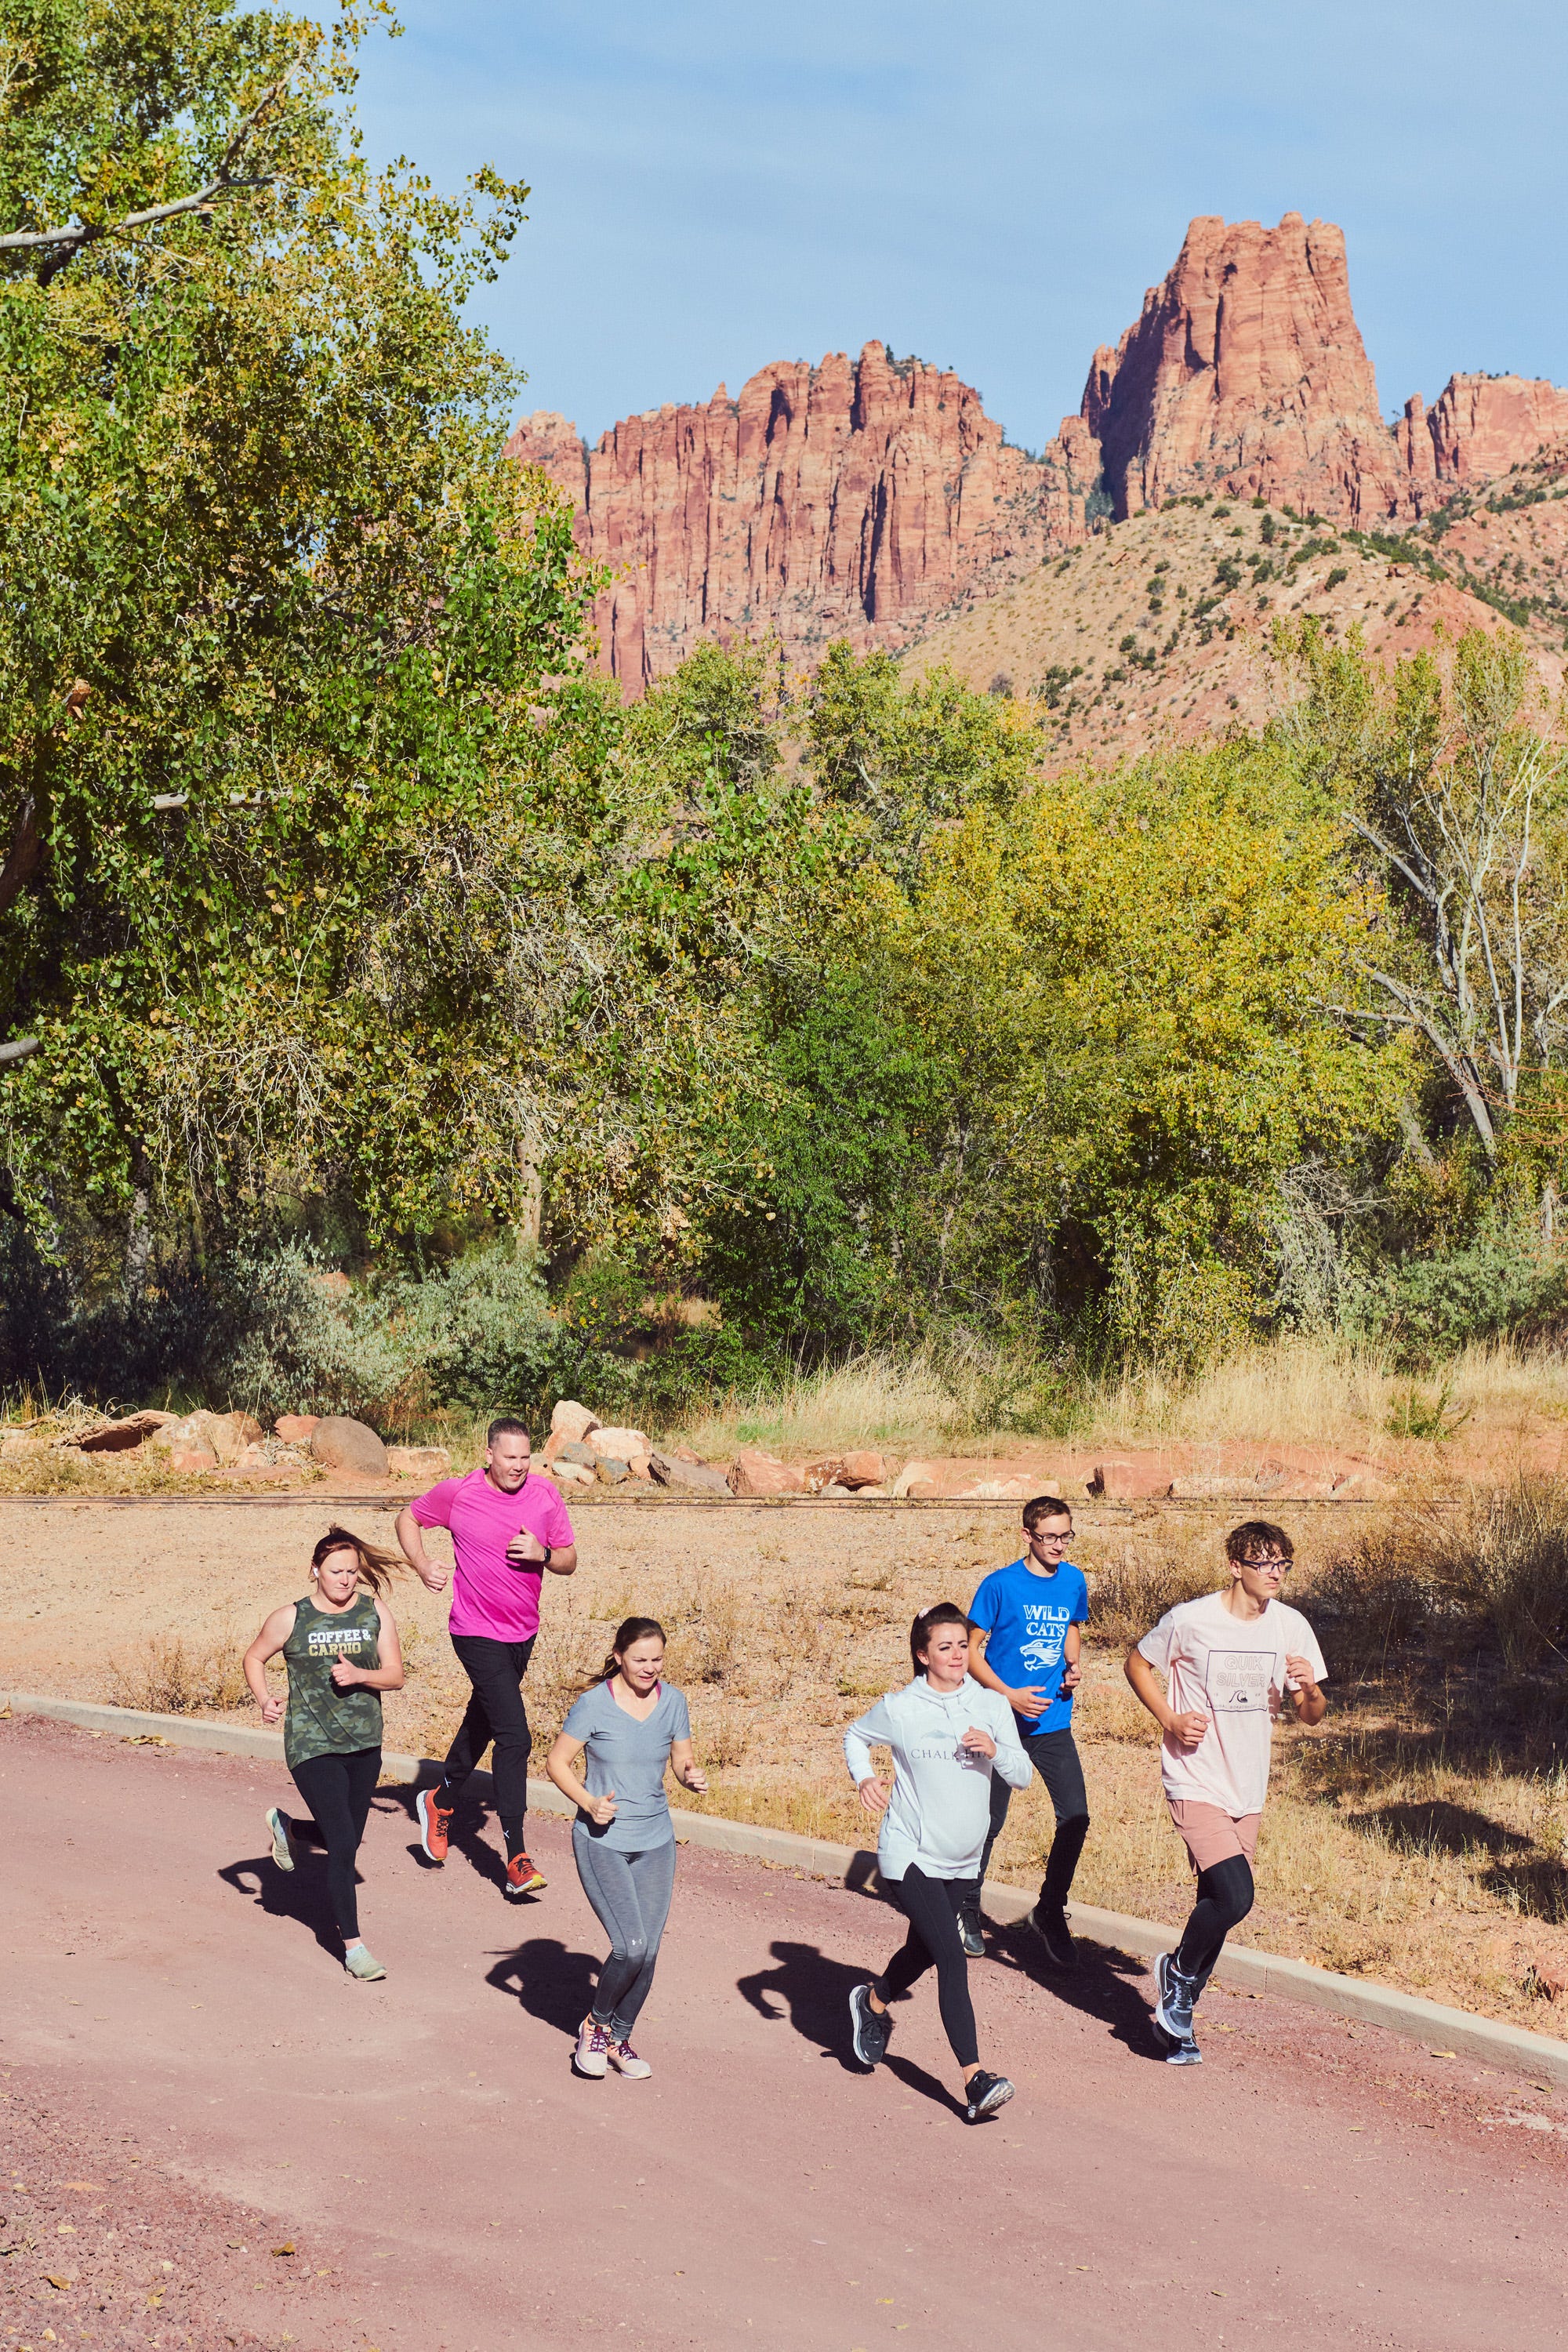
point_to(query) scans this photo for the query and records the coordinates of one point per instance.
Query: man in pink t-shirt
(507, 1527)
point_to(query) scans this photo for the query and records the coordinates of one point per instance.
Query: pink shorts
(1212, 1835)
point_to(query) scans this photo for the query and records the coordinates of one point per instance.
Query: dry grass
(1292, 1392)
(872, 1400)
(169, 1675)
(1304, 1392)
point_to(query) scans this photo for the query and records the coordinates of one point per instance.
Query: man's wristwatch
(549, 1555)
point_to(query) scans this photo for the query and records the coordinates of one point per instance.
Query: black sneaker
(1051, 1927)
(871, 2032)
(986, 2092)
(969, 1935)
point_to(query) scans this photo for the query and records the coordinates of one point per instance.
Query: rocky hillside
(1163, 625)
(872, 499)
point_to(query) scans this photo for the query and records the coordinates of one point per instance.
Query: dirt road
(192, 2083)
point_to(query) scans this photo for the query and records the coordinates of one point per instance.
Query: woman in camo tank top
(340, 1645)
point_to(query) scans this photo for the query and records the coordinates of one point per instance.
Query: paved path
(177, 2035)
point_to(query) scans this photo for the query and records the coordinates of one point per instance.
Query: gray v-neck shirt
(629, 1756)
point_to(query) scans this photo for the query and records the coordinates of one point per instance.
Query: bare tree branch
(67, 241)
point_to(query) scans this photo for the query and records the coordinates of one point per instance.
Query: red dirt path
(447, 2186)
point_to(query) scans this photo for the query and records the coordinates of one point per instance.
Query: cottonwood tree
(276, 609)
(1461, 799)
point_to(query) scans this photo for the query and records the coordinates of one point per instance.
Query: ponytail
(376, 1567)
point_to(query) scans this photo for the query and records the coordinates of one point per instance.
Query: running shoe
(593, 2050)
(969, 1935)
(1173, 2006)
(282, 1829)
(871, 2032)
(433, 1821)
(364, 1965)
(1051, 1927)
(1181, 2054)
(986, 2092)
(523, 1877)
(624, 2061)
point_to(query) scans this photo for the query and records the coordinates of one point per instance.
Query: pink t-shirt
(488, 1595)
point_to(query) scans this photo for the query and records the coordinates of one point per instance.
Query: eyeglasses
(1061, 1542)
(1279, 1566)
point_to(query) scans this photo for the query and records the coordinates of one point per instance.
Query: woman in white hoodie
(948, 1735)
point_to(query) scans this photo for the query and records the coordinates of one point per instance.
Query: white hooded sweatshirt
(939, 1813)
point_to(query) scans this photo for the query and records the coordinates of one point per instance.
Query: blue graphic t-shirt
(1026, 1617)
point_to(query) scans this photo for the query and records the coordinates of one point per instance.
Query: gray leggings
(631, 1893)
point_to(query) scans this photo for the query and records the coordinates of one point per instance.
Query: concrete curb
(1440, 2027)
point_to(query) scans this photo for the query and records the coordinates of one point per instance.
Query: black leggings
(931, 1907)
(1225, 1898)
(496, 1712)
(1055, 1757)
(338, 1789)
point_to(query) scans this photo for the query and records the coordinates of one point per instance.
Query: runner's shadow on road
(1106, 1985)
(814, 1992)
(553, 1984)
(299, 1894)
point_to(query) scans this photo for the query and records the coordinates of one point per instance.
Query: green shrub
(1430, 1307)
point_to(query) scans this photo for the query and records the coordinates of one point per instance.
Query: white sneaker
(624, 2061)
(593, 2050)
(282, 1829)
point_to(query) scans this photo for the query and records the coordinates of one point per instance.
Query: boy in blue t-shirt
(1028, 1620)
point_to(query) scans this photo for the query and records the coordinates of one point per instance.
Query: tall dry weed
(169, 1675)
(1132, 1591)
(1492, 1570)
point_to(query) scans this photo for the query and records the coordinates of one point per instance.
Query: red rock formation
(855, 499)
(863, 498)
(1482, 426)
(1246, 374)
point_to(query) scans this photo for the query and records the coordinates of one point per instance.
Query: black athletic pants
(496, 1715)
(338, 1789)
(1224, 1897)
(931, 1907)
(1055, 1757)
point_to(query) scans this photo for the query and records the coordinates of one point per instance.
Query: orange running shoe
(433, 1821)
(521, 1877)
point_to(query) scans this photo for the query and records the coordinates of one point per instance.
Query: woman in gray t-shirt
(629, 1726)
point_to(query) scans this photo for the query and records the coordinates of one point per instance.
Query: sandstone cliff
(854, 499)
(1246, 372)
(868, 498)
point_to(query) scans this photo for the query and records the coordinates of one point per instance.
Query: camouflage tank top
(322, 1720)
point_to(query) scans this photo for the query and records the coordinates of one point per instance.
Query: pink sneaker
(593, 2049)
(624, 2061)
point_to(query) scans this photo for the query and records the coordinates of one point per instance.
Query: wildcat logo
(1037, 1656)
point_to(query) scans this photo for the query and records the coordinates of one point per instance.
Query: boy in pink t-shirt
(507, 1528)
(1230, 1662)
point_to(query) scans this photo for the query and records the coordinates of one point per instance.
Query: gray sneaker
(871, 2032)
(283, 1833)
(1173, 2005)
(364, 1965)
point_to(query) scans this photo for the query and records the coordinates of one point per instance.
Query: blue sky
(992, 185)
